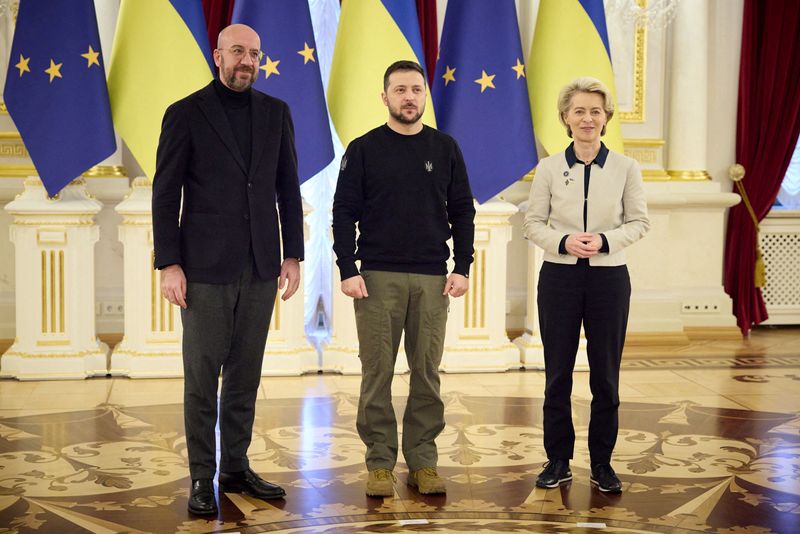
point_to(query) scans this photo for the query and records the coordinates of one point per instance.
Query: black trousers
(224, 329)
(599, 298)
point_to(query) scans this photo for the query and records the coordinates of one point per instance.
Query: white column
(476, 337)
(151, 346)
(288, 352)
(54, 262)
(688, 115)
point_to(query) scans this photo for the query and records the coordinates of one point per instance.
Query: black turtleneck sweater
(237, 108)
(408, 194)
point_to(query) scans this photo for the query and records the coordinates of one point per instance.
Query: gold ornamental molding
(655, 175)
(11, 145)
(688, 176)
(54, 354)
(645, 151)
(3, 108)
(153, 354)
(643, 143)
(13, 170)
(106, 171)
(639, 73)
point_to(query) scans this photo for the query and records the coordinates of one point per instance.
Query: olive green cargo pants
(397, 303)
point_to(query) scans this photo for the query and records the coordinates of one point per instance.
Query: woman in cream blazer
(587, 205)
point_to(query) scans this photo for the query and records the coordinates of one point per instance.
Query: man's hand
(355, 287)
(456, 285)
(173, 285)
(290, 277)
(583, 245)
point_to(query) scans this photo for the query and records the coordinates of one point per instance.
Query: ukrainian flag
(372, 35)
(160, 55)
(570, 41)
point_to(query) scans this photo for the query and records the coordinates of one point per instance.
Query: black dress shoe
(604, 477)
(249, 483)
(201, 500)
(555, 473)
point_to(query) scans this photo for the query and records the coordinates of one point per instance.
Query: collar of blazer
(212, 108)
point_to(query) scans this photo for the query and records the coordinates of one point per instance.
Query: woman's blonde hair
(584, 85)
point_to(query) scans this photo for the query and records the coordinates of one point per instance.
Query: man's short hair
(401, 65)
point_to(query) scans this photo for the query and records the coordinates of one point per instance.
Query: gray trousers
(224, 329)
(397, 303)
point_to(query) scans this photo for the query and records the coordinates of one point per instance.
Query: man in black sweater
(405, 186)
(226, 169)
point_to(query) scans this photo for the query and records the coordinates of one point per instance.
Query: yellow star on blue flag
(59, 106)
(291, 73)
(488, 113)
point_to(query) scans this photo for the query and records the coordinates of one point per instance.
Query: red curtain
(767, 129)
(426, 13)
(218, 15)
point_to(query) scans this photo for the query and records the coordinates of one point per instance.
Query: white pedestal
(54, 261)
(476, 339)
(153, 331)
(530, 343)
(288, 352)
(676, 270)
(340, 355)
(151, 346)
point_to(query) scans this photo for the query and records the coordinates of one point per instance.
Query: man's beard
(399, 117)
(236, 83)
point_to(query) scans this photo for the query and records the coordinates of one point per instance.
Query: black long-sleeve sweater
(407, 194)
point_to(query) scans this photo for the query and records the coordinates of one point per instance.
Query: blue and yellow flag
(290, 71)
(372, 35)
(56, 89)
(161, 54)
(570, 41)
(480, 93)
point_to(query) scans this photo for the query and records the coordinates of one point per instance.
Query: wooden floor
(709, 442)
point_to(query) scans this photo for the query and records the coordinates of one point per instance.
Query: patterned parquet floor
(709, 442)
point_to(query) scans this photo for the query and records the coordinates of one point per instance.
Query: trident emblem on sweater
(429, 166)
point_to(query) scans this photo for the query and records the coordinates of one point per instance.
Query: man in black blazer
(227, 152)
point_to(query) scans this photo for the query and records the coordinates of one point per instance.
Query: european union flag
(56, 89)
(290, 71)
(480, 93)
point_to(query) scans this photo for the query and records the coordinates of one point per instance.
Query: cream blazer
(616, 206)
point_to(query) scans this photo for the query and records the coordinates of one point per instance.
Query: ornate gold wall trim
(655, 175)
(11, 145)
(106, 171)
(3, 108)
(13, 149)
(688, 176)
(12, 170)
(46, 355)
(529, 176)
(639, 74)
(645, 151)
(644, 143)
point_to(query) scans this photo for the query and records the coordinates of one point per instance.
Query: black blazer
(226, 207)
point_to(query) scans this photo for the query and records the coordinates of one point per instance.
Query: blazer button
(246, 216)
(249, 185)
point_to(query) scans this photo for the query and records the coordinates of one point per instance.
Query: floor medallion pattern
(686, 467)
